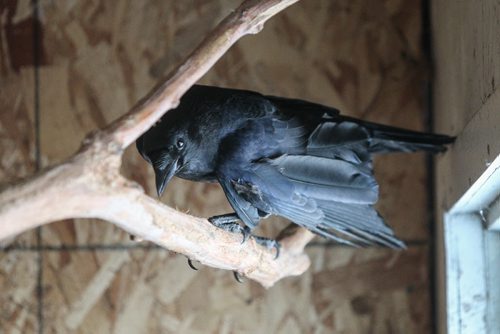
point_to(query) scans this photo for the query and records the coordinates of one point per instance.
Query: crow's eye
(180, 144)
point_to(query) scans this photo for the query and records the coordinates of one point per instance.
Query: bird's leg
(268, 243)
(229, 222)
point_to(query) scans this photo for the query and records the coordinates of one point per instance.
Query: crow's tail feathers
(387, 139)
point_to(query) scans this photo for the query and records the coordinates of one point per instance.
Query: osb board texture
(361, 56)
(17, 129)
(99, 57)
(18, 302)
(156, 292)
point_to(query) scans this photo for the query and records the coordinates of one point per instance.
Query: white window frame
(472, 248)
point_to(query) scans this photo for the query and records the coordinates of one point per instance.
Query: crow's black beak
(163, 175)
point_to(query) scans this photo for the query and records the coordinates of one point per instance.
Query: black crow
(279, 156)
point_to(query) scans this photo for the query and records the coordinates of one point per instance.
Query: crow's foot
(229, 223)
(224, 219)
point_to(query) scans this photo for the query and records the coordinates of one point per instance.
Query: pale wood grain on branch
(89, 185)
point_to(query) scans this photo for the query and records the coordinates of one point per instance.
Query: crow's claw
(191, 265)
(246, 233)
(268, 243)
(238, 277)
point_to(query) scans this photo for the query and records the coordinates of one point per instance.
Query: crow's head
(185, 141)
(165, 147)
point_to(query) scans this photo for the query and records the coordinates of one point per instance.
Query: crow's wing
(327, 179)
(309, 204)
(330, 197)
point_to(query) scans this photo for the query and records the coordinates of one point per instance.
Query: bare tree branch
(89, 184)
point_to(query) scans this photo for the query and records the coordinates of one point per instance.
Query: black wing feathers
(355, 223)
(328, 179)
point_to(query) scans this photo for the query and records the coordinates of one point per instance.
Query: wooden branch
(89, 185)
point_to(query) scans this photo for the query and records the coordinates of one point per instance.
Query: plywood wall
(98, 57)
(466, 104)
